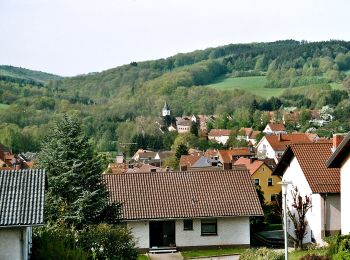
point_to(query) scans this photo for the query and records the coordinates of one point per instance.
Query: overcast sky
(70, 37)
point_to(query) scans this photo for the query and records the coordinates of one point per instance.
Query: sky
(71, 37)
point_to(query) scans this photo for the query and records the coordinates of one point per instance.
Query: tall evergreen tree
(76, 194)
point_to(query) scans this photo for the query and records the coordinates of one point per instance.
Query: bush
(315, 257)
(109, 242)
(95, 242)
(339, 247)
(261, 254)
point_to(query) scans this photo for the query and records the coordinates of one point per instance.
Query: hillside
(22, 75)
(119, 103)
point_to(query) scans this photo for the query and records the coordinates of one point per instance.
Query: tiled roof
(226, 155)
(277, 127)
(165, 154)
(189, 160)
(281, 141)
(251, 165)
(312, 159)
(22, 197)
(164, 195)
(340, 154)
(219, 132)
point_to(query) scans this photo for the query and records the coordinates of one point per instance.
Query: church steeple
(166, 110)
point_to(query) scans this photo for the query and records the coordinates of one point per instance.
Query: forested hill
(236, 79)
(22, 76)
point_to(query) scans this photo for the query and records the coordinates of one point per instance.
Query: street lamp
(284, 192)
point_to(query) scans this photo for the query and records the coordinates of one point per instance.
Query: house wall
(231, 231)
(263, 173)
(181, 129)
(219, 139)
(10, 243)
(264, 149)
(324, 216)
(345, 196)
(140, 230)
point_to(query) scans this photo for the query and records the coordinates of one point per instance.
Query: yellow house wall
(263, 173)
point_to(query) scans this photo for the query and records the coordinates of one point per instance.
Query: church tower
(166, 110)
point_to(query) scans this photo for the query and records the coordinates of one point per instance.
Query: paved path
(169, 256)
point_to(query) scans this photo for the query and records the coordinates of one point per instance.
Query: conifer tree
(76, 194)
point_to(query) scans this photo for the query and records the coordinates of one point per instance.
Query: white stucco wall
(140, 230)
(265, 148)
(231, 231)
(10, 244)
(345, 196)
(316, 215)
(219, 139)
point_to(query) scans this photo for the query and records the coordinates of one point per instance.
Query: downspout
(325, 212)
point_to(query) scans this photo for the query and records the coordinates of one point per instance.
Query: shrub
(261, 254)
(339, 247)
(315, 257)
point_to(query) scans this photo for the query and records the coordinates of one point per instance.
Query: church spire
(166, 110)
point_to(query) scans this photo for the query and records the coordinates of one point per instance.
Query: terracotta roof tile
(312, 159)
(184, 194)
(219, 132)
(252, 166)
(281, 141)
(226, 155)
(189, 160)
(277, 127)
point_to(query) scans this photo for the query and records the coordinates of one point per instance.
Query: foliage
(339, 247)
(94, 242)
(211, 252)
(297, 214)
(261, 254)
(315, 257)
(181, 150)
(76, 195)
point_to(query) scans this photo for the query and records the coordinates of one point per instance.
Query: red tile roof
(251, 165)
(189, 160)
(281, 141)
(312, 159)
(164, 195)
(277, 127)
(226, 155)
(220, 132)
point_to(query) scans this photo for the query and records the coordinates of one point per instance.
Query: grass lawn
(254, 84)
(3, 106)
(211, 252)
(142, 257)
(295, 255)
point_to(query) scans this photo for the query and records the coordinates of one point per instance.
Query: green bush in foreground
(261, 254)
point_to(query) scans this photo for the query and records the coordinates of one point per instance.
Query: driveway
(168, 256)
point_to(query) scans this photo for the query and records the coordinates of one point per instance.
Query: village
(216, 198)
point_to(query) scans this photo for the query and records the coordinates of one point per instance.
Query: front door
(162, 233)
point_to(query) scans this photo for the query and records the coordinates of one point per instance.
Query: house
(228, 157)
(144, 168)
(261, 174)
(248, 134)
(183, 125)
(21, 208)
(273, 146)
(219, 135)
(165, 110)
(341, 159)
(304, 165)
(199, 163)
(186, 161)
(186, 209)
(274, 129)
(204, 120)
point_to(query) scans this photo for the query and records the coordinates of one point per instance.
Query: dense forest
(119, 104)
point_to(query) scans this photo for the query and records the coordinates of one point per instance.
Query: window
(209, 227)
(269, 182)
(257, 181)
(188, 224)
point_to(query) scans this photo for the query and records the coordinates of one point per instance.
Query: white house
(219, 135)
(341, 159)
(274, 129)
(186, 209)
(21, 208)
(248, 134)
(305, 166)
(273, 146)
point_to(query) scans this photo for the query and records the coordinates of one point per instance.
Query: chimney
(337, 139)
(252, 159)
(279, 137)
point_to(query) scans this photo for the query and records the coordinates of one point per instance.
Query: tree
(297, 214)
(194, 128)
(76, 194)
(181, 150)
